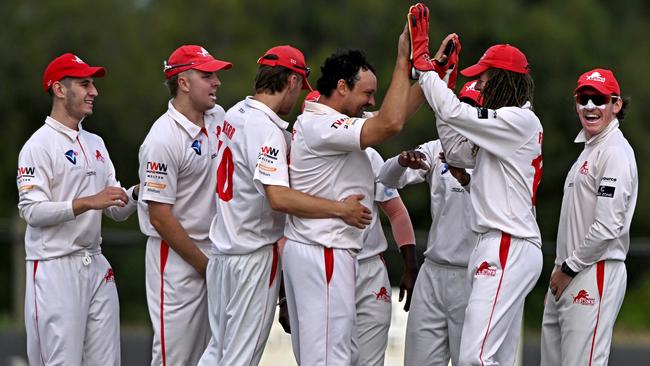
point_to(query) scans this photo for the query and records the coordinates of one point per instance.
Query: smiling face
(596, 110)
(362, 95)
(78, 96)
(201, 87)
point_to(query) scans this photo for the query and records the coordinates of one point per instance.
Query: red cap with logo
(192, 57)
(69, 65)
(289, 57)
(469, 91)
(602, 80)
(501, 56)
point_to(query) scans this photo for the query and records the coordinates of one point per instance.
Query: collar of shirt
(582, 137)
(320, 108)
(60, 127)
(252, 103)
(192, 129)
(527, 105)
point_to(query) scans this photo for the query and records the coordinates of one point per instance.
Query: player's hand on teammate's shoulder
(413, 159)
(354, 213)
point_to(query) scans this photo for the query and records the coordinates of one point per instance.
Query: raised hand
(418, 27)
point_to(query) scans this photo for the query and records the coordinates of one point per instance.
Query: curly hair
(344, 64)
(507, 89)
(626, 103)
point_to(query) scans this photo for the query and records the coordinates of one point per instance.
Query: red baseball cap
(602, 80)
(69, 65)
(192, 57)
(501, 56)
(468, 91)
(289, 57)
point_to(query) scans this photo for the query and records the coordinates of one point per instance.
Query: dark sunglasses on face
(597, 99)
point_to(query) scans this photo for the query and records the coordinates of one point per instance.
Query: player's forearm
(171, 231)
(46, 213)
(409, 256)
(296, 203)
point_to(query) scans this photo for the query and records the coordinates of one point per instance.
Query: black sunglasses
(597, 99)
(167, 67)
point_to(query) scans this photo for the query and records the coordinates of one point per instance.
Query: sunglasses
(597, 99)
(307, 70)
(167, 67)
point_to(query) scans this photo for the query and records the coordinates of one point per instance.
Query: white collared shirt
(254, 144)
(600, 195)
(177, 167)
(327, 161)
(55, 166)
(508, 162)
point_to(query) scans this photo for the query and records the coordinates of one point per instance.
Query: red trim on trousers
(329, 263)
(164, 254)
(504, 248)
(274, 265)
(600, 281)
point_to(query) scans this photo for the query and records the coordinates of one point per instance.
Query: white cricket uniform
(435, 319)
(600, 195)
(504, 181)
(177, 167)
(319, 258)
(71, 303)
(242, 273)
(373, 290)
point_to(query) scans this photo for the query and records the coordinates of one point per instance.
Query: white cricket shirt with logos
(600, 195)
(254, 146)
(451, 239)
(327, 161)
(374, 239)
(508, 161)
(55, 166)
(177, 165)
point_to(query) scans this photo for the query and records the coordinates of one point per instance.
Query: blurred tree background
(131, 38)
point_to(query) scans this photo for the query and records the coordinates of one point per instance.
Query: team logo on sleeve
(26, 172)
(269, 152)
(389, 192)
(606, 191)
(345, 122)
(484, 269)
(99, 156)
(482, 112)
(196, 146)
(71, 155)
(582, 298)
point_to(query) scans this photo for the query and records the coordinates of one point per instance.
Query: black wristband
(567, 270)
(134, 195)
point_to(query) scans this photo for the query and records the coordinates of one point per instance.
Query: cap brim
(212, 66)
(474, 70)
(94, 71)
(597, 86)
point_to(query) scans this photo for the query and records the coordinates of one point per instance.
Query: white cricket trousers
(373, 304)
(72, 313)
(242, 296)
(320, 288)
(577, 329)
(502, 270)
(178, 306)
(435, 319)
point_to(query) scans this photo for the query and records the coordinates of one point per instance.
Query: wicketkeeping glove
(418, 25)
(449, 70)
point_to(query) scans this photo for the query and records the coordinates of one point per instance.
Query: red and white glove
(418, 25)
(448, 71)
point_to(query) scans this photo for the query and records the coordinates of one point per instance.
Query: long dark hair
(507, 89)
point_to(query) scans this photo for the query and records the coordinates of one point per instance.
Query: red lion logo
(486, 270)
(382, 295)
(110, 276)
(583, 298)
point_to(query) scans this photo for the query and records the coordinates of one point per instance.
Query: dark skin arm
(407, 282)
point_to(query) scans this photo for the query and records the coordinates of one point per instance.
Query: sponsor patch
(196, 146)
(266, 168)
(457, 190)
(482, 112)
(228, 129)
(26, 172)
(606, 191)
(155, 185)
(608, 179)
(71, 155)
(345, 122)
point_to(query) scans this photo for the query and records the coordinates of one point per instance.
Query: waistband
(447, 266)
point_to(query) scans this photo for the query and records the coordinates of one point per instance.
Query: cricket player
(328, 161)
(178, 181)
(437, 311)
(66, 180)
(253, 191)
(588, 284)
(507, 259)
(373, 289)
